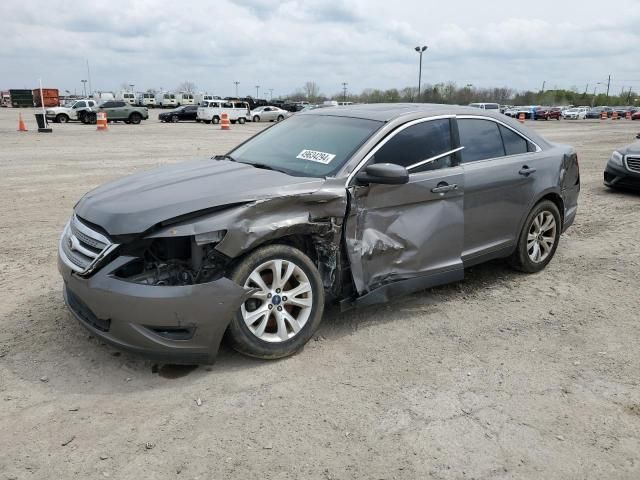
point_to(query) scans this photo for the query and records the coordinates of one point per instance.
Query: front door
(414, 231)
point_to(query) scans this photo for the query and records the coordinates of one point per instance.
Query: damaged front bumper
(177, 324)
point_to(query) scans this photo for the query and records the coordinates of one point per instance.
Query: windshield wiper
(224, 157)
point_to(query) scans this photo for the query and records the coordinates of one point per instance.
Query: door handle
(444, 187)
(526, 171)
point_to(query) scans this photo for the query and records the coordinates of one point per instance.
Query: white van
(201, 97)
(184, 98)
(103, 96)
(210, 111)
(147, 100)
(126, 96)
(486, 106)
(166, 100)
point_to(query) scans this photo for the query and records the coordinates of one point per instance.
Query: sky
(280, 45)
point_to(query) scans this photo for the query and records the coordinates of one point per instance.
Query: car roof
(385, 112)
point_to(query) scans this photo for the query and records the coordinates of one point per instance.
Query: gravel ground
(501, 376)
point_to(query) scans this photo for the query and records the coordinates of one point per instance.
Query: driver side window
(418, 143)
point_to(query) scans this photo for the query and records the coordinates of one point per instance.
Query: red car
(636, 115)
(554, 113)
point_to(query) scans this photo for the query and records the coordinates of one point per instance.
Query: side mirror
(384, 174)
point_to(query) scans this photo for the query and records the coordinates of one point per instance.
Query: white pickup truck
(72, 112)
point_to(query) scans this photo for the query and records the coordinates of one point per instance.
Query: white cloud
(282, 44)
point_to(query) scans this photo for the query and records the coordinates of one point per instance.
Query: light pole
(344, 91)
(593, 102)
(131, 85)
(237, 83)
(257, 90)
(420, 50)
(84, 87)
(271, 94)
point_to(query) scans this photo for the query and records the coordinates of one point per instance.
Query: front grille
(633, 164)
(85, 314)
(81, 247)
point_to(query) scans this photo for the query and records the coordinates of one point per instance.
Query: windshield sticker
(312, 155)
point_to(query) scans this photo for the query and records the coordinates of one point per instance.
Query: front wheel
(215, 120)
(256, 118)
(241, 120)
(539, 238)
(174, 119)
(62, 118)
(286, 307)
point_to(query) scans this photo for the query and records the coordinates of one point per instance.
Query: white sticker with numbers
(314, 156)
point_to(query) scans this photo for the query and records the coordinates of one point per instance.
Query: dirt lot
(502, 376)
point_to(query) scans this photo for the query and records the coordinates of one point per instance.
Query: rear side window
(514, 144)
(481, 139)
(417, 143)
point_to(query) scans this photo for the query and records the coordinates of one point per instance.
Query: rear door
(499, 168)
(410, 231)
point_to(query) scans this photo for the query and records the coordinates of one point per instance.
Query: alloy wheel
(282, 303)
(541, 236)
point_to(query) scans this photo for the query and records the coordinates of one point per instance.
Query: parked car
(554, 113)
(118, 110)
(579, 113)
(210, 111)
(268, 114)
(512, 112)
(75, 111)
(623, 168)
(635, 116)
(596, 112)
(352, 205)
(186, 112)
(486, 106)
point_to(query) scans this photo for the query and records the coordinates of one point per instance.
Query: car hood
(633, 149)
(136, 203)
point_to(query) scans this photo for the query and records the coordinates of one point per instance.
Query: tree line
(451, 93)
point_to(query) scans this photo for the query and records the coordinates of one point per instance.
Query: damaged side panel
(398, 232)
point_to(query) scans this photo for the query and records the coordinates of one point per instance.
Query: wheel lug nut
(279, 309)
(277, 290)
(270, 306)
(268, 295)
(284, 299)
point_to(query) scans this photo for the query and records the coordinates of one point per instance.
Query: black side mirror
(384, 174)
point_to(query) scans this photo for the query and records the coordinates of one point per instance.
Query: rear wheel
(215, 120)
(286, 307)
(241, 120)
(539, 238)
(280, 118)
(135, 118)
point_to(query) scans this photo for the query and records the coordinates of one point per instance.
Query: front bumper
(181, 324)
(620, 177)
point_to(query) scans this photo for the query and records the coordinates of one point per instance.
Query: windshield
(307, 145)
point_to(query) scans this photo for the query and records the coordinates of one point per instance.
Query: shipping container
(21, 98)
(50, 96)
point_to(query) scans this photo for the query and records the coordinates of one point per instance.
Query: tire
(256, 118)
(198, 120)
(62, 118)
(271, 335)
(280, 118)
(241, 120)
(135, 118)
(215, 120)
(174, 119)
(92, 118)
(522, 258)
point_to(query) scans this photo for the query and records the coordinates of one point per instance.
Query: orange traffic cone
(101, 121)
(225, 124)
(521, 117)
(21, 125)
(615, 116)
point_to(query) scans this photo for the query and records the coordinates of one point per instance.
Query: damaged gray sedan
(353, 205)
